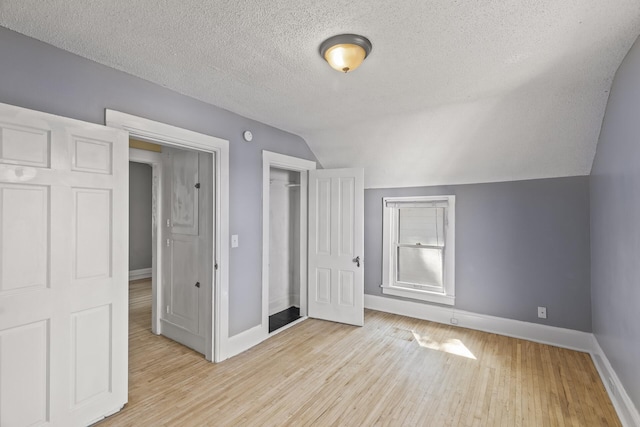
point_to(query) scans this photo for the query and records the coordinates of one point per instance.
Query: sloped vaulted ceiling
(453, 92)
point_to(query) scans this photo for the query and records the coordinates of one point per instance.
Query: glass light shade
(345, 57)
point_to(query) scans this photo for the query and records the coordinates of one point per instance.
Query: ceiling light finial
(345, 52)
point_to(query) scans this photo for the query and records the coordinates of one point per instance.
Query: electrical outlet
(454, 321)
(542, 312)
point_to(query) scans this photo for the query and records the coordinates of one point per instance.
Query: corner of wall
(626, 410)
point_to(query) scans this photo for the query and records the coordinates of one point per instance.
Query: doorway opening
(284, 241)
(140, 220)
(144, 210)
(212, 295)
(284, 247)
(171, 200)
(140, 242)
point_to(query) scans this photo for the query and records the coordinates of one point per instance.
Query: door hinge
(215, 266)
(167, 309)
(168, 242)
(168, 222)
(197, 185)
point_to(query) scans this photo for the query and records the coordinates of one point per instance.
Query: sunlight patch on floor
(451, 346)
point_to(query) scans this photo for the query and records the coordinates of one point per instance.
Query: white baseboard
(625, 408)
(244, 341)
(276, 306)
(560, 337)
(287, 326)
(143, 273)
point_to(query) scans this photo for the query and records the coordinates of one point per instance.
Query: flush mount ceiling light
(345, 52)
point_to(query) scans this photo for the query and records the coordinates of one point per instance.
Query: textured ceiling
(453, 91)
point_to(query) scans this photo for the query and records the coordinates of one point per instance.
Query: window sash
(417, 204)
(425, 225)
(420, 267)
(423, 272)
(444, 294)
(418, 287)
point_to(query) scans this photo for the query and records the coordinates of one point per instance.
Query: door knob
(357, 261)
(197, 284)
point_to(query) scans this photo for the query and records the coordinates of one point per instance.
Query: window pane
(423, 226)
(421, 266)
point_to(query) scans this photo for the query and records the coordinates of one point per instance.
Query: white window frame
(389, 285)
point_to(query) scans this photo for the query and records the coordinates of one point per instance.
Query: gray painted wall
(519, 245)
(140, 180)
(41, 77)
(615, 227)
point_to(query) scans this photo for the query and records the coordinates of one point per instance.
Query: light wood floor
(393, 371)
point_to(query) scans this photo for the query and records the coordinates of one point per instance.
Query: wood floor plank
(394, 371)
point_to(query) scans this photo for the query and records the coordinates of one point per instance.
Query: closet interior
(284, 248)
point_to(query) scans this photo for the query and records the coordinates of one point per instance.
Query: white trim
(153, 159)
(388, 251)
(559, 337)
(436, 297)
(254, 336)
(245, 340)
(276, 306)
(269, 160)
(144, 156)
(628, 413)
(142, 273)
(288, 325)
(217, 331)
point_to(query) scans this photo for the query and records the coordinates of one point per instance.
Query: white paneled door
(186, 281)
(336, 245)
(63, 269)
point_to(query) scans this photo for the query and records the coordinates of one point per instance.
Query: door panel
(184, 194)
(323, 217)
(323, 286)
(346, 217)
(346, 287)
(23, 362)
(187, 258)
(183, 294)
(63, 283)
(92, 234)
(91, 155)
(336, 238)
(24, 237)
(24, 145)
(90, 343)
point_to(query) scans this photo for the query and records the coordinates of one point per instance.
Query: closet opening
(284, 247)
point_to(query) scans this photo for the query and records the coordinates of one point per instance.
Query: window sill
(419, 295)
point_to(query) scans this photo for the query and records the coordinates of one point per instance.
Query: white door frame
(217, 330)
(155, 161)
(281, 161)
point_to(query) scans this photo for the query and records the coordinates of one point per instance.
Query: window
(419, 248)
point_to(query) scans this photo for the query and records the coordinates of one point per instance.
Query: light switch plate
(234, 241)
